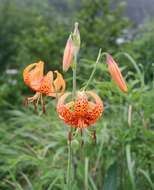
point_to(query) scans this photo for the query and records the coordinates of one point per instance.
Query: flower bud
(116, 73)
(76, 37)
(68, 54)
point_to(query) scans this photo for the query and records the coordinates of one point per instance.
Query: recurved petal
(96, 98)
(98, 101)
(33, 74)
(59, 83)
(62, 109)
(62, 99)
(96, 109)
(68, 54)
(37, 73)
(116, 73)
(26, 71)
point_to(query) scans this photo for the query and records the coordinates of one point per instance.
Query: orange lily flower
(80, 113)
(116, 73)
(34, 78)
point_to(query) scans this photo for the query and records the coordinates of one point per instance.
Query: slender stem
(86, 173)
(130, 166)
(99, 156)
(69, 180)
(74, 76)
(140, 75)
(94, 69)
(69, 167)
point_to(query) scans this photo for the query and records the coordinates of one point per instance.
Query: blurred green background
(33, 147)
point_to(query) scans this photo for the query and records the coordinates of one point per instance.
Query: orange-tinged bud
(68, 54)
(116, 73)
(72, 47)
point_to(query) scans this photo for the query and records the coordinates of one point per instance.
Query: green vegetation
(33, 147)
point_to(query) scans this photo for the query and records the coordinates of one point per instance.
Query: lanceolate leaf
(110, 182)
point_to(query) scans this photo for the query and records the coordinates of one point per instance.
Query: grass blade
(86, 173)
(147, 177)
(130, 167)
(110, 182)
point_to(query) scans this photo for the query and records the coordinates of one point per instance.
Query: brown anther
(35, 106)
(82, 142)
(81, 132)
(43, 107)
(94, 136)
(25, 102)
(70, 136)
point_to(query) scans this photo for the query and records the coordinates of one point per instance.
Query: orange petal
(62, 109)
(96, 109)
(81, 104)
(62, 99)
(116, 73)
(51, 87)
(68, 54)
(59, 83)
(33, 75)
(97, 99)
(46, 85)
(77, 114)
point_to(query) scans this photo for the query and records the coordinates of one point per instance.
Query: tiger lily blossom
(42, 84)
(80, 113)
(116, 73)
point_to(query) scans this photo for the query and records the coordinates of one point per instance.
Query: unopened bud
(68, 54)
(116, 73)
(76, 37)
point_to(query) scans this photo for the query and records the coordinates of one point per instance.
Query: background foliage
(33, 151)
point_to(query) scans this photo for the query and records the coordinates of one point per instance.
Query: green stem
(99, 156)
(69, 179)
(130, 166)
(86, 173)
(94, 69)
(74, 76)
(140, 75)
(69, 167)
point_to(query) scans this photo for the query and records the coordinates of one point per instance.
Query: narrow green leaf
(130, 167)
(92, 183)
(110, 182)
(147, 177)
(53, 183)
